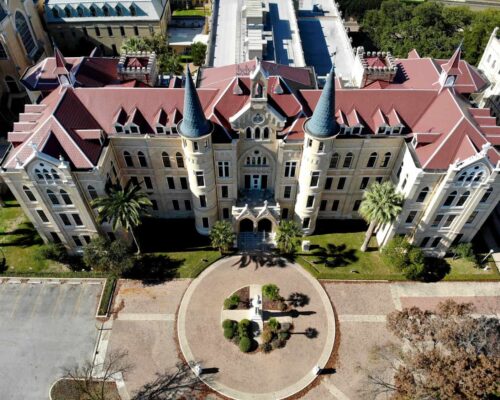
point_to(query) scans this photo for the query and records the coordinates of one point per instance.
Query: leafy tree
(222, 236)
(445, 354)
(104, 255)
(198, 53)
(404, 257)
(357, 8)
(271, 291)
(381, 205)
(123, 208)
(476, 35)
(170, 63)
(286, 236)
(465, 251)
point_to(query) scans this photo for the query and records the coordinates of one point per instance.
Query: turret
(451, 70)
(320, 130)
(195, 131)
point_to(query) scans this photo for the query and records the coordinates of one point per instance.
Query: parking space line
(16, 302)
(35, 304)
(76, 309)
(60, 297)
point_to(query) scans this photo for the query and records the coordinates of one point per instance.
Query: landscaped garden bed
(67, 389)
(239, 300)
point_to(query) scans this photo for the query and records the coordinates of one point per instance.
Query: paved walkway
(256, 376)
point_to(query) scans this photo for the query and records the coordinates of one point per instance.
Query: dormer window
(357, 130)
(396, 130)
(93, 11)
(134, 129)
(79, 11)
(118, 128)
(450, 80)
(160, 129)
(119, 11)
(67, 12)
(133, 10)
(105, 10)
(55, 12)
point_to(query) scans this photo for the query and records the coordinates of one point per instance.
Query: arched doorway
(265, 225)
(246, 225)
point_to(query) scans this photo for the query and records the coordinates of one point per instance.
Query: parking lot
(44, 326)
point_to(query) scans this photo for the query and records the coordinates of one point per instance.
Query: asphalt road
(43, 327)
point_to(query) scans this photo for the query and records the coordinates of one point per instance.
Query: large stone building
(77, 26)
(489, 65)
(256, 143)
(23, 42)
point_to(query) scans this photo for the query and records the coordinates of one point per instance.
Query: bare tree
(178, 383)
(91, 378)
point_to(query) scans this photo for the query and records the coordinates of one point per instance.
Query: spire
(452, 67)
(194, 124)
(323, 123)
(61, 65)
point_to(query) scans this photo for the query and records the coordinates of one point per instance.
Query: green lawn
(193, 12)
(335, 254)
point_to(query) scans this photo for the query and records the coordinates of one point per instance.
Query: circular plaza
(256, 374)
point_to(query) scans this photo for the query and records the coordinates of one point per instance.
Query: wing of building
(258, 142)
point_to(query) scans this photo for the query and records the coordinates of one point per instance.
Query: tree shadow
(297, 299)
(435, 269)
(154, 269)
(23, 236)
(335, 255)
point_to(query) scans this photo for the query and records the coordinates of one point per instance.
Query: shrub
(277, 344)
(231, 302)
(266, 347)
(228, 323)
(55, 252)
(113, 257)
(271, 291)
(245, 344)
(273, 324)
(244, 328)
(283, 306)
(267, 336)
(465, 251)
(236, 340)
(229, 332)
(283, 335)
(395, 253)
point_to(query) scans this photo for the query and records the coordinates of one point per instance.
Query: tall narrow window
(129, 161)
(347, 160)
(67, 12)
(437, 220)
(133, 10)
(97, 31)
(461, 201)
(341, 184)
(187, 205)
(105, 10)
(364, 183)
(435, 242)
(290, 168)
(335, 205)
(25, 33)
(93, 11)
(328, 183)
(306, 222)
(143, 162)
(386, 160)
(42, 216)
(315, 179)
(204, 222)
(449, 221)
(248, 132)
(203, 201)
(148, 183)
(65, 197)
(166, 160)
(179, 160)
(334, 161)
(422, 195)
(184, 182)
(79, 11)
(170, 182)
(266, 133)
(52, 197)
(356, 205)
(77, 219)
(450, 199)
(411, 216)
(257, 133)
(119, 11)
(223, 169)
(200, 179)
(372, 160)
(3, 53)
(472, 217)
(92, 192)
(29, 194)
(310, 201)
(175, 204)
(287, 192)
(322, 205)
(486, 195)
(224, 191)
(424, 242)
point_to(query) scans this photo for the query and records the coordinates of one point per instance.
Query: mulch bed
(244, 294)
(273, 305)
(67, 390)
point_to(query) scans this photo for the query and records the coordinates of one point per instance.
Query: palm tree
(381, 205)
(288, 232)
(222, 236)
(123, 208)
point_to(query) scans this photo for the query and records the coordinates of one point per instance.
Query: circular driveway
(256, 376)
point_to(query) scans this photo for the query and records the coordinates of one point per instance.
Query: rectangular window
(187, 205)
(195, 146)
(335, 205)
(284, 213)
(97, 31)
(411, 216)
(437, 220)
(315, 179)
(136, 31)
(200, 180)
(85, 32)
(404, 183)
(364, 183)
(55, 237)
(122, 31)
(328, 183)
(341, 184)
(435, 242)
(223, 169)
(77, 219)
(379, 179)
(472, 217)
(154, 205)
(424, 242)
(65, 219)
(309, 143)
(110, 31)
(203, 201)
(86, 239)
(175, 204)
(204, 221)
(321, 146)
(306, 222)
(290, 167)
(148, 182)
(42, 216)
(288, 192)
(184, 182)
(225, 213)
(171, 182)
(225, 192)
(77, 241)
(322, 206)
(134, 181)
(310, 201)
(449, 221)
(356, 205)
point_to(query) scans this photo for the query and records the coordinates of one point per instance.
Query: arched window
(25, 33)
(266, 133)
(334, 161)
(133, 10)
(79, 11)
(3, 53)
(472, 175)
(119, 10)
(92, 192)
(39, 174)
(29, 194)
(179, 160)
(249, 133)
(55, 12)
(258, 92)
(348, 160)
(93, 11)
(52, 197)
(486, 195)
(461, 201)
(11, 84)
(450, 199)
(54, 174)
(372, 160)
(386, 160)
(129, 162)
(67, 12)
(65, 197)
(256, 159)
(166, 160)
(105, 10)
(422, 195)
(143, 162)
(257, 133)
